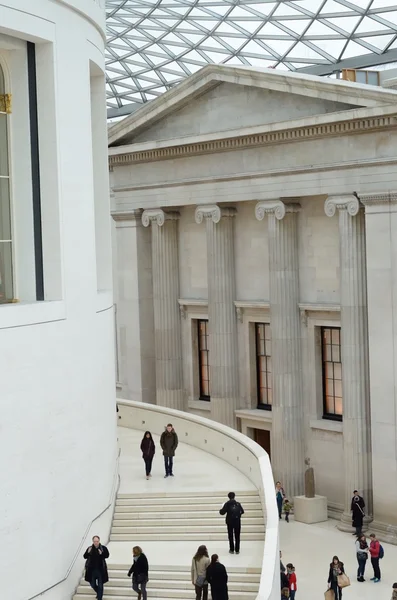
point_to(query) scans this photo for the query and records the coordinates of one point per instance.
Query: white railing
(232, 447)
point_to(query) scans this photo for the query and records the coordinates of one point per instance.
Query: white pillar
(354, 349)
(223, 349)
(167, 324)
(287, 438)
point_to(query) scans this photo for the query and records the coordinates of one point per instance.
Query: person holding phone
(96, 570)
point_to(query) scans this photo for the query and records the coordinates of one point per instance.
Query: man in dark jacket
(357, 508)
(96, 571)
(233, 511)
(169, 443)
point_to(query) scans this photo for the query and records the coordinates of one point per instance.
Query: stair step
(201, 495)
(234, 570)
(199, 515)
(191, 508)
(174, 584)
(165, 500)
(195, 536)
(188, 528)
(112, 593)
(116, 574)
(184, 523)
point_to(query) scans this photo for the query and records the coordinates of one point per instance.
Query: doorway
(262, 437)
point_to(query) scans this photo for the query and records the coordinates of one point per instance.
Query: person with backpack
(376, 552)
(233, 511)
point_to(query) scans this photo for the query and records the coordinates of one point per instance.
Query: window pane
(269, 364)
(335, 336)
(329, 387)
(268, 348)
(327, 336)
(372, 78)
(338, 371)
(5, 218)
(327, 352)
(3, 145)
(6, 287)
(332, 371)
(261, 347)
(338, 388)
(329, 405)
(338, 406)
(335, 354)
(361, 77)
(267, 332)
(269, 396)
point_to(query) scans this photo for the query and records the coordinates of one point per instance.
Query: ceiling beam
(356, 62)
(123, 111)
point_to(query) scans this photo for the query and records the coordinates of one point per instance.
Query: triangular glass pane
(345, 23)
(216, 57)
(319, 28)
(334, 7)
(354, 49)
(297, 26)
(390, 17)
(369, 25)
(235, 43)
(270, 29)
(226, 28)
(383, 4)
(304, 52)
(379, 41)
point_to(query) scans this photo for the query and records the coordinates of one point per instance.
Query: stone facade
(285, 216)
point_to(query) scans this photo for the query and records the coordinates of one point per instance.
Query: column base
(345, 523)
(310, 510)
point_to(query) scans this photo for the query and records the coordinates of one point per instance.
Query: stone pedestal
(310, 510)
(167, 323)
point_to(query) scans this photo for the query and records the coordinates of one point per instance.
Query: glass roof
(154, 44)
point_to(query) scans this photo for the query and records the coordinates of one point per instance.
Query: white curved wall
(232, 447)
(58, 445)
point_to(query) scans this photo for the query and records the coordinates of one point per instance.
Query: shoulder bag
(343, 580)
(201, 580)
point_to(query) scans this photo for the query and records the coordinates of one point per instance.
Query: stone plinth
(310, 510)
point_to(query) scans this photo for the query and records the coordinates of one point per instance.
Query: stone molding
(128, 218)
(212, 212)
(381, 198)
(350, 203)
(278, 208)
(282, 136)
(158, 216)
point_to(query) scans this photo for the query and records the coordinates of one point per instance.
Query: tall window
(332, 372)
(6, 279)
(264, 365)
(204, 368)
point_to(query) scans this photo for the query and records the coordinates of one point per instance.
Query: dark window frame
(258, 356)
(331, 416)
(201, 352)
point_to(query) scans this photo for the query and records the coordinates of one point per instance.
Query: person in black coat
(357, 508)
(140, 573)
(96, 571)
(217, 578)
(148, 450)
(233, 511)
(335, 568)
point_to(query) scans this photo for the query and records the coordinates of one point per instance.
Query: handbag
(329, 595)
(343, 580)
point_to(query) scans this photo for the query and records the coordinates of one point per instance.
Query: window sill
(35, 313)
(199, 405)
(327, 425)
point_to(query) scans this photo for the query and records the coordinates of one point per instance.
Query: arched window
(6, 279)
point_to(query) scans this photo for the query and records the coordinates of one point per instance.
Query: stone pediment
(220, 98)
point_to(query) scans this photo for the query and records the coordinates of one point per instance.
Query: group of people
(206, 571)
(283, 504)
(168, 443)
(288, 580)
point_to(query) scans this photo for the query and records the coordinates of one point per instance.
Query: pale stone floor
(309, 547)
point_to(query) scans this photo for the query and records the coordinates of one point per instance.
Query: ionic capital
(278, 208)
(349, 203)
(157, 216)
(212, 212)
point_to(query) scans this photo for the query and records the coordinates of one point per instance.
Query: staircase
(192, 517)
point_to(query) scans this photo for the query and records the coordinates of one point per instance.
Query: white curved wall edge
(66, 587)
(231, 446)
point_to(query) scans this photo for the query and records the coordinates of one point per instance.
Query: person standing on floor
(148, 450)
(362, 556)
(280, 495)
(287, 508)
(169, 443)
(200, 562)
(233, 511)
(357, 508)
(283, 575)
(140, 572)
(96, 571)
(335, 568)
(217, 578)
(394, 593)
(375, 551)
(291, 581)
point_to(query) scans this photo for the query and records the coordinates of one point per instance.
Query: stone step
(181, 574)
(163, 507)
(187, 528)
(175, 522)
(185, 536)
(182, 500)
(234, 570)
(193, 495)
(112, 593)
(174, 584)
(191, 515)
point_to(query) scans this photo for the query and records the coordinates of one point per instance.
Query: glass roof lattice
(154, 44)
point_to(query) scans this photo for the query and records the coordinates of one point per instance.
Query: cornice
(374, 199)
(282, 136)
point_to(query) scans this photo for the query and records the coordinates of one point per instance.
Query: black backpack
(234, 511)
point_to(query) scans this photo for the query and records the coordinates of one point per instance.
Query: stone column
(134, 297)
(287, 438)
(354, 349)
(167, 325)
(223, 349)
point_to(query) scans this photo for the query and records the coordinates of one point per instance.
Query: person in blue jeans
(362, 556)
(169, 443)
(96, 571)
(140, 572)
(280, 495)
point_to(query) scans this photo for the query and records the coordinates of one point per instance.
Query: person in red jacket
(291, 581)
(374, 550)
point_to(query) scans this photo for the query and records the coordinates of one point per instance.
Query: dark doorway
(262, 437)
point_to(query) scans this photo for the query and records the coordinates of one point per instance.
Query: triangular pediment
(220, 98)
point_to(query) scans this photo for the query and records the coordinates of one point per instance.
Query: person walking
(96, 571)
(280, 495)
(375, 550)
(200, 562)
(357, 508)
(148, 450)
(292, 586)
(169, 443)
(287, 508)
(217, 578)
(233, 511)
(335, 568)
(140, 572)
(362, 556)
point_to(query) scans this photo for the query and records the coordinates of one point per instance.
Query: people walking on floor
(96, 571)
(148, 451)
(140, 572)
(336, 568)
(280, 495)
(362, 556)
(357, 508)
(200, 562)
(375, 550)
(169, 443)
(394, 593)
(217, 578)
(291, 581)
(233, 511)
(287, 508)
